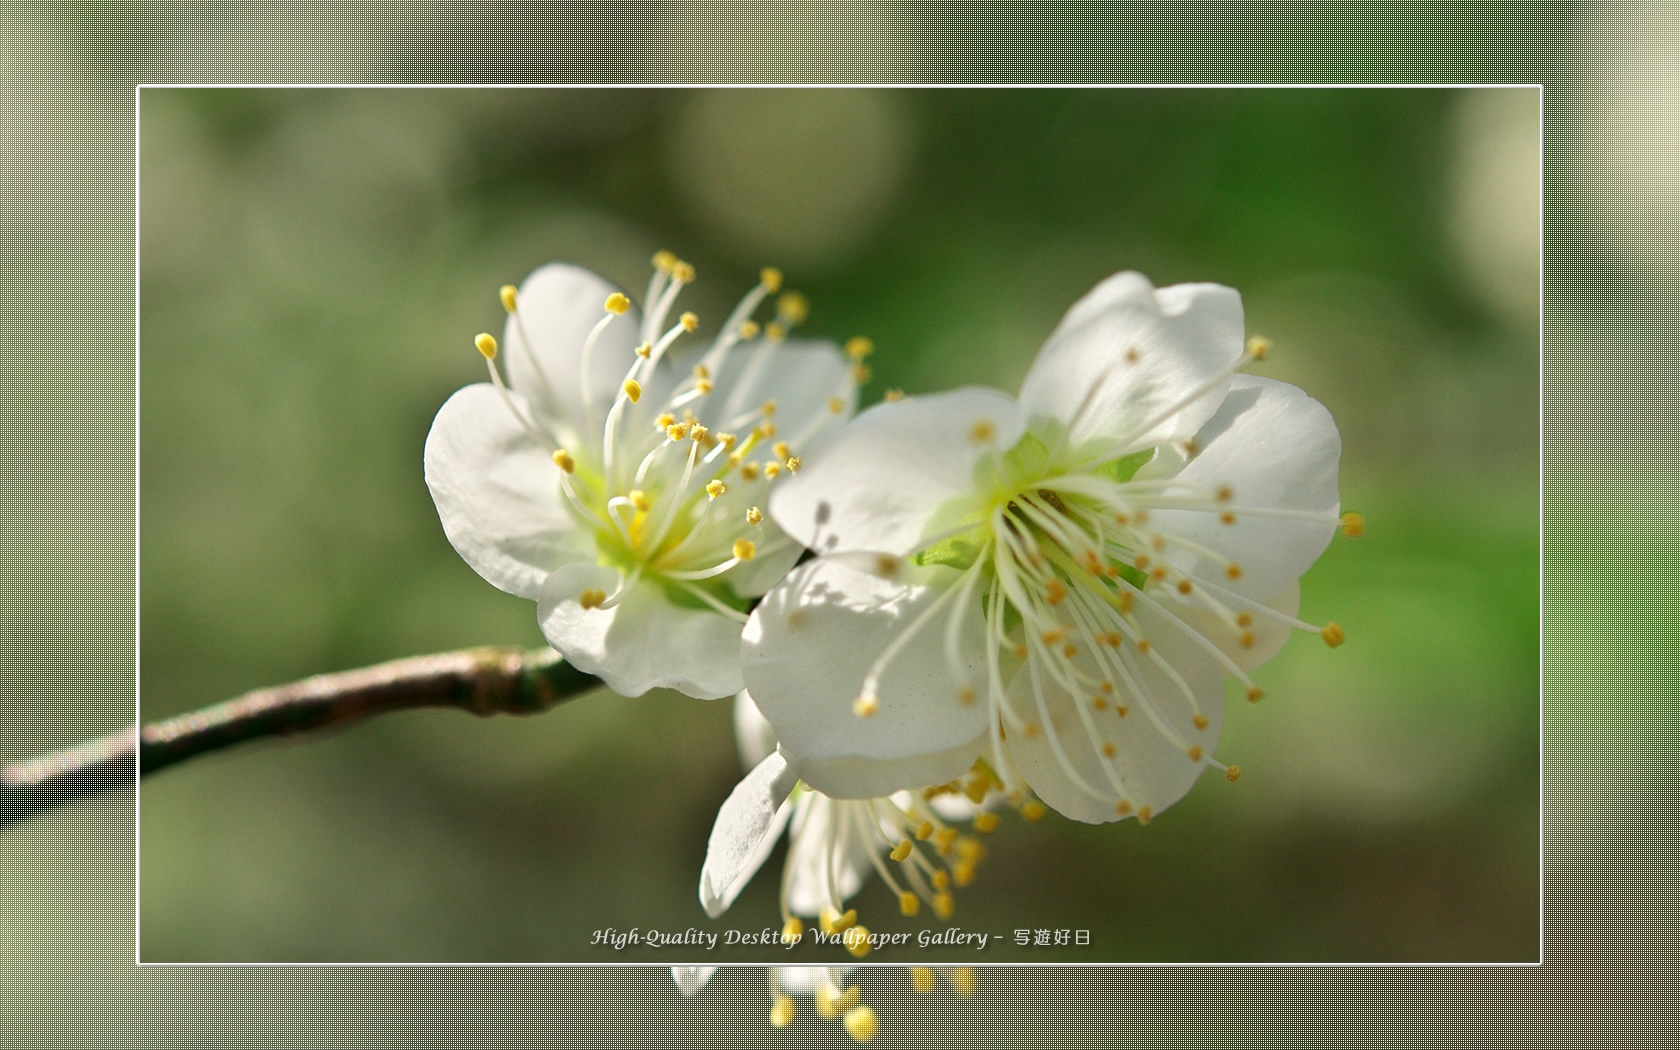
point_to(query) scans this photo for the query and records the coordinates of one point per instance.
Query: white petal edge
(754, 738)
(1186, 338)
(746, 829)
(810, 644)
(1276, 448)
(497, 493)
(644, 642)
(880, 482)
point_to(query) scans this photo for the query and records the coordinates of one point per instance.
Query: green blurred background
(314, 264)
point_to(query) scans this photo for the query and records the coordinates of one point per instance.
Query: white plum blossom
(835, 844)
(621, 491)
(1060, 582)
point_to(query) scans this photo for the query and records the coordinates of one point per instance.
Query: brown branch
(487, 681)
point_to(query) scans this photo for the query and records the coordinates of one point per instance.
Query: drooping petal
(882, 481)
(558, 305)
(646, 641)
(497, 492)
(824, 864)
(811, 645)
(1131, 366)
(754, 738)
(748, 824)
(690, 979)
(1154, 768)
(1277, 449)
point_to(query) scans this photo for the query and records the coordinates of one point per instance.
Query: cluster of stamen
(1066, 563)
(678, 500)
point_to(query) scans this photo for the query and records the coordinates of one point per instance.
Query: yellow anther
(792, 930)
(941, 879)
(966, 694)
(986, 822)
(908, 903)
(944, 839)
(837, 405)
(765, 430)
(772, 470)
(689, 320)
(1232, 773)
(1185, 588)
(727, 440)
(749, 329)
(767, 411)
(901, 851)
(982, 432)
(715, 489)
(704, 386)
(865, 706)
(1258, 347)
(825, 1003)
(1033, 809)
(1333, 635)
(632, 390)
(771, 279)
(1132, 355)
(1020, 651)
(944, 905)
(1108, 750)
(1122, 807)
(1143, 645)
(664, 420)
(1227, 518)
(1099, 703)
(842, 923)
(775, 332)
(682, 272)
(792, 307)
(749, 471)
(1200, 721)
(1055, 592)
(923, 831)
(677, 431)
(856, 940)
(1353, 525)
(1234, 571)
(564, 460)
(744, 549)
(663, 260)
(976, 789)
(921, 980)
(1244, 619)
(1195, 754)
(1246, 639)
(1254, 694)
(486, 344)
(640, 501)
(510, 298)
(782, 1011)
(754, 516)
(861, 373)
(888, 565)
(1112, 639)
(1144, 815)
(1122, 518)
(861, 1022)
(794, 463)
(1052, 637)
(697, 432)
(1121, 710)
(894, 394)
(1125, 600)
(962, 873)
(859, 347)
(618, 303)
(781, 449)
(592, 598)
(1190, 447)
(1107, 686)
(1070, 650)
(963, 981)
(1141, 561)
(1158, 543)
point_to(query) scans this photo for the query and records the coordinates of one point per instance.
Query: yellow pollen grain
(1258, 347)
(1132, 355)
(1054, 592)
(772, 470)
(963, 981)
(592, 598)
(1333, 634)
(744, 549)
(1353, 525)
(1100, 703)
(632, 390)
(1108, 750)
(1227, 518)
(1126, 601)
(921, 980)
(754, 516)
(683, 272)
(1232, 773)
(677, 431)
(901, 852)
(944, 905)
(715, 489)
(771, 279)
(1123, 807)
(888, 565)
(986, 822)
(894, 394)
(1121, 711)
(1070, 650)
(768, 410)
(794, 463)
(1184, 586)
(1234, 571)
(1030, 731)
(765, 430)
(837, 405)
(861, 373)
(1200, 721)
(486, 344)
(690, 321)
(749, 471)
(1141, 561)
(618, 303)
(664, 260)
(1143, 645)
(1020, 651)
(564, 460)
(1246, 640)
(792, 930)
(640, 501)
(664, 420)
(782, 1011)
(1034, 810)
(792, 307)
(727, 440)
(1122, 518)
(1191, 448)
(908, 903)
(842, 923)
(1158, 574)
(859, 347)
(1244, 619)
(1108, 687)
(924, 831)
(775, 332)
(1254, 694)
(749, 330)
(510, 298)
(962, 873)
(966, 694)
(697, 432)
(1158, 543)
(856, 940)
(1144, 815)
(860, 1022)
(982, 432)
(865, 706)
(1195, 754)
(781, 449)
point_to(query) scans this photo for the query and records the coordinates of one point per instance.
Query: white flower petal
(1269, 634)
(1276, 448)
(880, 482)
(800, 376)
(822, 863)
(690, 979)
(748, 824)
(1154, 769)
(850, 777)
(812, 642)
(1185, 337)
(558, 305)
(498, 493)
(754, 738)
(646, 641)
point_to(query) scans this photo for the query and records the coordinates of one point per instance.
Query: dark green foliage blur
(315, 263)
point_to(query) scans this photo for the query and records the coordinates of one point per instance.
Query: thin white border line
(879, 86)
